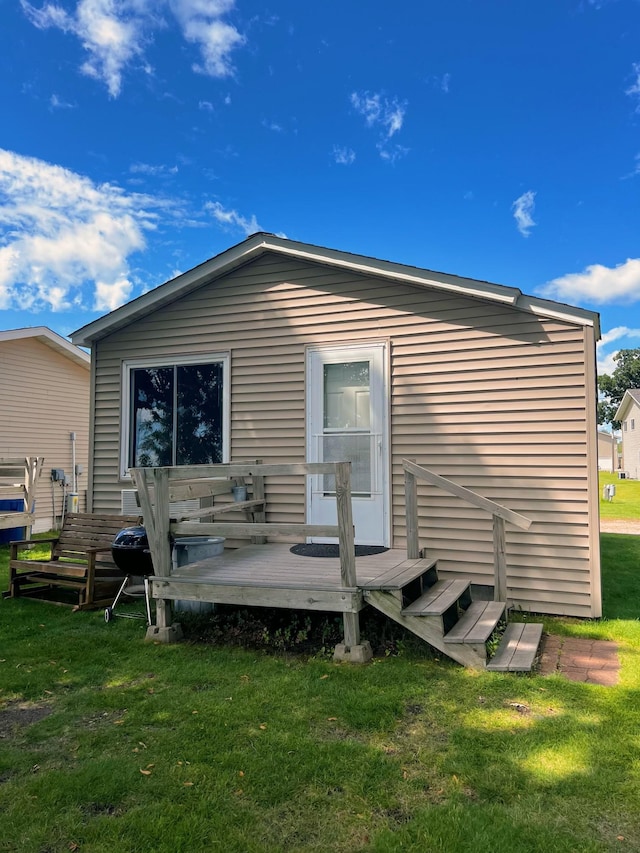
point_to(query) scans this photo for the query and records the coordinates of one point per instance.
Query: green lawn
(111, 744)
(626, 501)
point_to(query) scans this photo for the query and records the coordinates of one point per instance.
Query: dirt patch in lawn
(19, 715)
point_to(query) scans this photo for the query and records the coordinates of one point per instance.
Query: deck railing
(413, 472)
(157, 487)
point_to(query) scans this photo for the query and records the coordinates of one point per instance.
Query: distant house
(607, 451)
(284, 351)
(629, 416)
(44, 394)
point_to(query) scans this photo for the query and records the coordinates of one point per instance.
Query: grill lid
(131, 539)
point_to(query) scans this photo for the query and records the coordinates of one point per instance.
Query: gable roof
(261, 243)
(631, 395)
(51, 339)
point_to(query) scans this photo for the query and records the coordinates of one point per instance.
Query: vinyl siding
(487, 395)
(631, 442)
(607, 452)
(45, 397)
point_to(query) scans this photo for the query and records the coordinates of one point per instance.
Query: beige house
(607, 451)
(283, 351)
(629, 416)
(44, 388)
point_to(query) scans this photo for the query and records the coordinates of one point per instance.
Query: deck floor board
(275, 565)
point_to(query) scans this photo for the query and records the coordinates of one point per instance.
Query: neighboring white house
(629, 416)
(607, 451)
(44, 388)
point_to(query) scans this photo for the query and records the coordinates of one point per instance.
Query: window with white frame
(175, 413)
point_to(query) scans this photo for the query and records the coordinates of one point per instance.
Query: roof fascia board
(255, 245)
(559, 311)
(51, 339)
(400, 272)
(621, 411)
(181, 285)
(625, 405)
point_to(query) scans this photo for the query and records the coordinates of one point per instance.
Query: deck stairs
(443, 613)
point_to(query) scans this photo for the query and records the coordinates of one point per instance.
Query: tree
(625, 376)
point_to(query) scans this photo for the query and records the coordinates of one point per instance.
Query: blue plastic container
(11, 533)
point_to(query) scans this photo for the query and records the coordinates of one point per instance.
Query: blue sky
(495, 139)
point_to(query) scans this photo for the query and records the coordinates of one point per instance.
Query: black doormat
(319, 550)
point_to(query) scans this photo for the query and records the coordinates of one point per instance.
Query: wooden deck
(402, 585)
(270, 575)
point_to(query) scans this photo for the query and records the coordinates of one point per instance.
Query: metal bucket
(191, 549)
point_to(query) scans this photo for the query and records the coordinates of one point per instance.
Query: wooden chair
(80, 563)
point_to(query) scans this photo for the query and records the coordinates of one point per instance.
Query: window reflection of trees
(177, 415)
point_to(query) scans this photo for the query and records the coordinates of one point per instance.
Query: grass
(626, 502)
(108, 743)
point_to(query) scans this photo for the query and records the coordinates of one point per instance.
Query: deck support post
(352, 650)
(157, 529)
(164, 631)
(346, 531)
(258, 515)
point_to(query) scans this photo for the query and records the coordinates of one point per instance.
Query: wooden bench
(80, 563)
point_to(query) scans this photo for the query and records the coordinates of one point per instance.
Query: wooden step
(399, 576)
(477, 624)
(438, 598)
(518, 648)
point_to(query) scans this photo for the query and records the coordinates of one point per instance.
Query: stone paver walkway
(591, 661)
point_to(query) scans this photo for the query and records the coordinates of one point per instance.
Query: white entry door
(347, 422)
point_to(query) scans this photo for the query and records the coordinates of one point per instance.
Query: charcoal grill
(131, 554)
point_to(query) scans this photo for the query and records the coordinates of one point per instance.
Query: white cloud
(606, 361)
(523, 208)
(380, 112)
(115, 32)
(154, 171)
(391, 153)
(386, 115)
(111, 33)
(343, 156)
(57, 103)
(272, 125)
(202, 25)
(233, 219)
(598, 284)
(634, 89)
(61, 234)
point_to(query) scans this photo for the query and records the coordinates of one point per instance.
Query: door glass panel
(354, 448)
(346, 423)
(346, 395)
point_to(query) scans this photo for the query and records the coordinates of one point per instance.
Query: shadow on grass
(620, 575)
